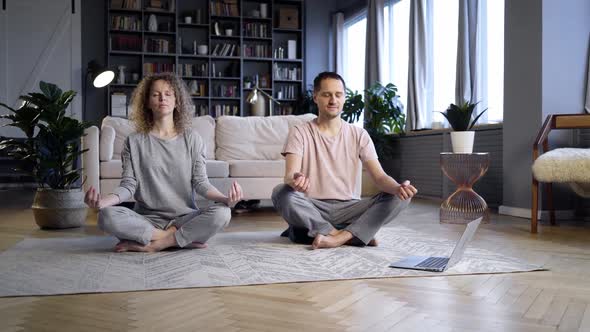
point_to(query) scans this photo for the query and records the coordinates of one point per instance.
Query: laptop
(440, 264)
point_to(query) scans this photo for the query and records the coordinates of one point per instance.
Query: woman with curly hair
(163, 165)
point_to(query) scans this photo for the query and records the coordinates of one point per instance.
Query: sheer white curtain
(338, 31)
(396, 19)
(420, 66)
(374, 42)
(470, 84)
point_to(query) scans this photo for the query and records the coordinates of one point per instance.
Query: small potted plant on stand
(459, 117)
(50, 151)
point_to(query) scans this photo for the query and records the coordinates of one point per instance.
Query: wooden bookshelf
(215, 46)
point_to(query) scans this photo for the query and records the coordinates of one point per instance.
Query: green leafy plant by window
(51, 148)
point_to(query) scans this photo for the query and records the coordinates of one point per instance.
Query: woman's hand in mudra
(92, 198)
(234, 195)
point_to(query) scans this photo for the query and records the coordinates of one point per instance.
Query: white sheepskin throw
(565, 165)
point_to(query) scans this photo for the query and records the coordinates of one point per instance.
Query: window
(354, 55)
(396, 19)
(495, 60)
(444, 34)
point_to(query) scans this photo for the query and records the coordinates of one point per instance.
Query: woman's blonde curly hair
(142, 116)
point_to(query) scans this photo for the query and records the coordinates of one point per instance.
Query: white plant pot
(462, 141)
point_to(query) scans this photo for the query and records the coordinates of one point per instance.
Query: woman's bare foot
(197, 245)
(373, 243)
(331, 241)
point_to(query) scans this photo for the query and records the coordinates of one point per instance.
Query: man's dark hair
(317, 81)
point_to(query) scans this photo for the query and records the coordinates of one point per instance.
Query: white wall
(40, 41)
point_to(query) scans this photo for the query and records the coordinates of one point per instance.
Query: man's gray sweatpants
(362, 218)
(126, 224)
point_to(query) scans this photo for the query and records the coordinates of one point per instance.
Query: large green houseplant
(460, 118)
(384, 114)
(50, 152)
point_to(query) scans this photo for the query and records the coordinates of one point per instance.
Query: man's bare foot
(197, 245)
(331, 241)
(127, 245)
(373, 243)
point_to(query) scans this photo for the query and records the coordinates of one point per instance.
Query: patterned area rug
(87, 265)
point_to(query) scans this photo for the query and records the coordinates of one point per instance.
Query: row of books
(283, 109)
(197, 89)
(257, 50)
(157, 45)
(224, 8)
(258, 30)
(189, 69)
(152, 68)
(125, 43)
(226, 49)
(287, 92)
(125, 4)
(226, 90)
(286, 73)
(220, 110)
(130, 23)
(201, 110)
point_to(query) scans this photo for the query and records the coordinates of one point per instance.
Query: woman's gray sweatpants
(126, 224)
(362, 218)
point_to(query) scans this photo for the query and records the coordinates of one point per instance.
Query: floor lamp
(252, 98)
(100, 75)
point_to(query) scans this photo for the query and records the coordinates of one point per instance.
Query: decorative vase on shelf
(194, 88)
(121, 75)
(152, 23)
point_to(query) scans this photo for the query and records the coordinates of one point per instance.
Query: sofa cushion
(112, 169)
(254, 138)
(123, 128)
(217, 168)
(203, 125)
(257, 168)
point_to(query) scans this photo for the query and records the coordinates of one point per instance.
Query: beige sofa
(246, 149)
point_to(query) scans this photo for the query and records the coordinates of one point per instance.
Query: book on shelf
(128, 23)
(221, 110)
(125, 4)
(224, 8)
(125, 43)
(119, 104)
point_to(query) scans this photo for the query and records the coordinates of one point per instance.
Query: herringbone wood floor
(556, 300)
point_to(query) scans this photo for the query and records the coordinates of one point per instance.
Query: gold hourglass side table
(464, 169)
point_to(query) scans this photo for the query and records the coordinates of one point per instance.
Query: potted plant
(305, 103)
(384, 115)
(247, 82)
(459, 117)
(50, 152)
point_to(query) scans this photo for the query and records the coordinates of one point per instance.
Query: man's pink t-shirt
(331, 163)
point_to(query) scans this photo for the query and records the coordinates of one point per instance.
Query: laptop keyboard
(434, 262)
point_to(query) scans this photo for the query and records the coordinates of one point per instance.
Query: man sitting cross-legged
(318, 199)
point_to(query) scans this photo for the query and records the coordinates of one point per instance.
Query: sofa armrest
(90, 161)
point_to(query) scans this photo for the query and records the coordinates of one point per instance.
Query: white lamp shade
(103, 79)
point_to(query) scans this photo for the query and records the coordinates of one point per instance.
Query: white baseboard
(526, 213)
